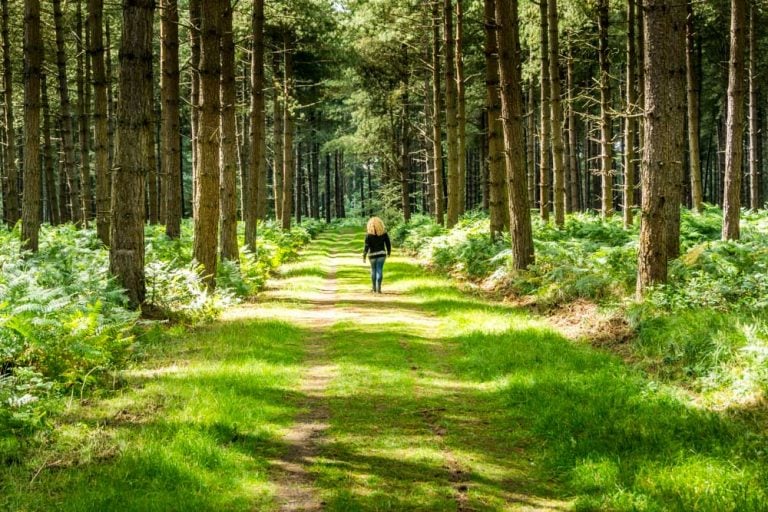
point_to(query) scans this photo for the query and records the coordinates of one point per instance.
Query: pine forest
(562, 213)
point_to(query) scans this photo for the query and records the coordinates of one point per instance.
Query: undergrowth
(704, 328)
(65, 325)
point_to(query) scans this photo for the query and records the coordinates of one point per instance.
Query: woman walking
(377, 248)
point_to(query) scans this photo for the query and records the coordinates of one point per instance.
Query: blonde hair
(375, 227)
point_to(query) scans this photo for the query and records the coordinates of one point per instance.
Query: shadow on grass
(197, 435)
(534, 416)
(558, 420)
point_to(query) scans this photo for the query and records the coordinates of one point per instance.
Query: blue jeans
(377, 271)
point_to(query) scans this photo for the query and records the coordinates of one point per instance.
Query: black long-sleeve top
(377, 245)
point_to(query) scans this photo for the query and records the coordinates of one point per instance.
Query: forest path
(323, 396)
(385, 422)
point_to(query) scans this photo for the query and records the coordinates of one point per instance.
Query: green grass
(441, 398)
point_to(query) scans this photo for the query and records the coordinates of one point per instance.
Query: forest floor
(324, 396)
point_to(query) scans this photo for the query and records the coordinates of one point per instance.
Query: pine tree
(256, 183)
(100, 123)
(734, 152)
(126, 251)
(33, 66)
(170, 125)
(208, 174)
(558, 150)
(11, 210)
(228, 130)
(664, 124)
(507, 37)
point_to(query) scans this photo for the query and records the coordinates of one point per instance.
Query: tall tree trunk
(404, 163)
(83, 101)
(337, 182)
(101, 130)
(558, 172)
(195, 7)
(606, 135)
(110, 101)
(497, 204)
(316, 180)
(153, 185)
(126, 251)
(207, 194)
(50, 177)
(461, 107)
(451, 116)
(693, 112)
(170, 125)
(67, 125)
(243, 137)
(508, 41)
(257, 175)
(11, 210)
(754, 168)
(64, 196)
(288, 135)
(328, 187)
(299, 183)
(437, 108)
(530, 145)
(735, 124)
(228, 150)
(278, 136)
(631, 124)
(641, 73)
(664, 129)
(573, 165)
(546, 115)
(33, 67)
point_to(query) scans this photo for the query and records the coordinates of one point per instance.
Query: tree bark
(461, 107)
(693, 112)
(508, 38)
(288, 135)
(558, 165)
(403, 146)
(631, 124)
(33, 66)
(664, 130)
(299, 183)
(83, 114)
(11, 206)
(67, 125)
(735, 124)
(170, 124)
(153, 195)
(100, 123)
(436, 122)
(126, 252)
(228, 149)
(195, 7)
(451, 116)
(207, 194)
(573, 165)
(54, 215)
(606, 135)
(497, 202)
(110, 102)
(754, 133)
(641, 73)
(530, 144)
(546, 116)
(328, 187)
(278, 136)
(257, 175)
